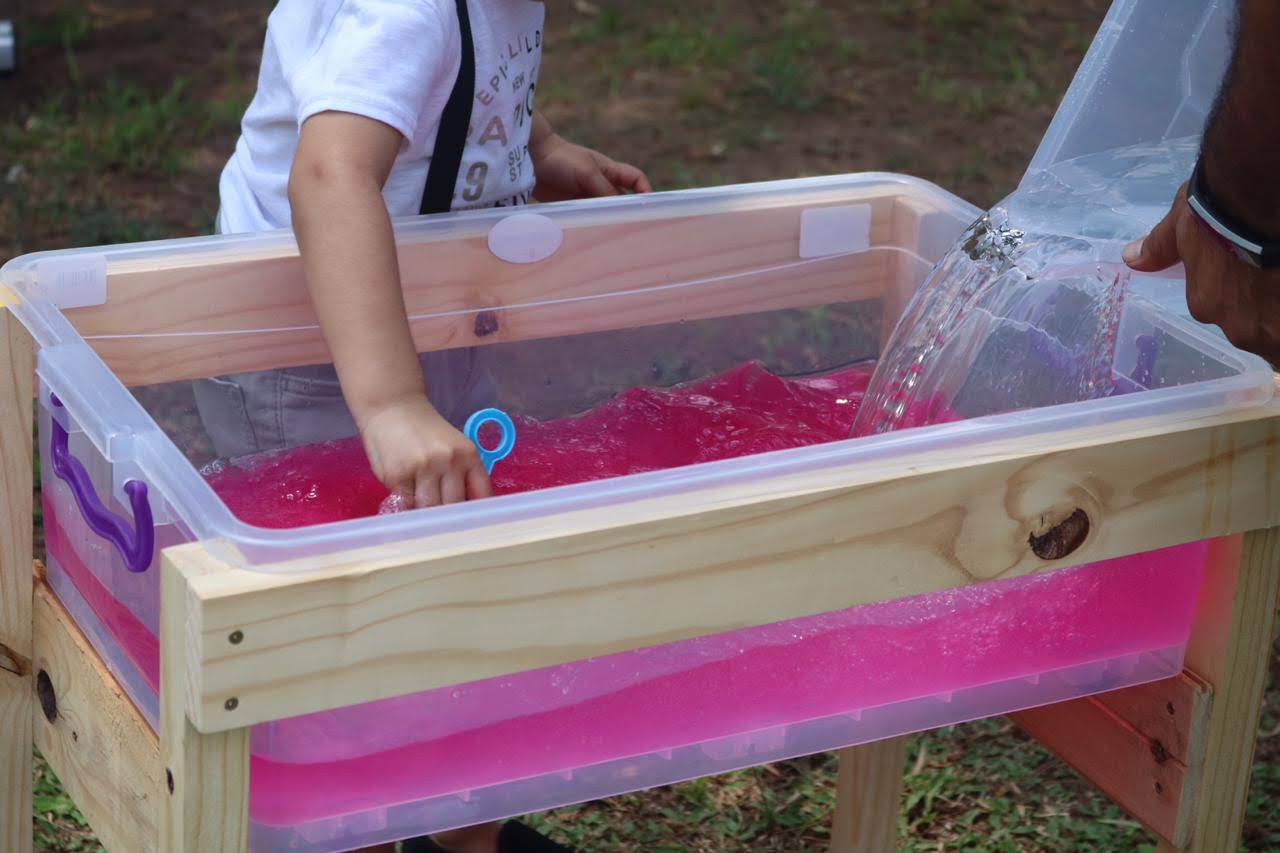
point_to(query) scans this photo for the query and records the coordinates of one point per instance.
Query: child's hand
(417, 453)
(566, 171)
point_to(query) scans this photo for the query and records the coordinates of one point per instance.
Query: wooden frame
(17, 375)
(103, 751)
(689, 565)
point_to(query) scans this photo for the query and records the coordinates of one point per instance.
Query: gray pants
(275, 409)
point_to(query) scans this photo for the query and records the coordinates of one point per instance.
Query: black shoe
(514, 837)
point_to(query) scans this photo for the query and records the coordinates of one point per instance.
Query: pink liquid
(544, 721)
(684, 693)
(744, 411)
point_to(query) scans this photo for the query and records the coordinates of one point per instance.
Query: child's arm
(349, 259)
(564, 170)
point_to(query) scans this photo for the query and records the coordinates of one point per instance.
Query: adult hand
(1222, 289)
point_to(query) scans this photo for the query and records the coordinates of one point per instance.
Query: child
(341, 135)
(365, 110)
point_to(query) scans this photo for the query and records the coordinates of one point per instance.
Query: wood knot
(1063, 538)
(48, 701)
(486, 324)
(11, 661)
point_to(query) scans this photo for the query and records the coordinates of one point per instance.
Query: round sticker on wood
(525, 238)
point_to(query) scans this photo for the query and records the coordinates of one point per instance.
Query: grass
(65, 28)
(779, 73)
(123, 118)
(977, 787)
(119, 128)
(59, 826)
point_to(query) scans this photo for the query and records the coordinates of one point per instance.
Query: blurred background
(122, 112)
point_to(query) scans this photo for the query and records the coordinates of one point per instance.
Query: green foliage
(59, 826)
(68, 27)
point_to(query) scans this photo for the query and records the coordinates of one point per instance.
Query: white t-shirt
(395, 61)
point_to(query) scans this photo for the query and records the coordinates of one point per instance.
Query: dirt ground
(124, 111)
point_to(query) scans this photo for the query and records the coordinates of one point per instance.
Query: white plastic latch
(835, 230)
(525, 238)
(74, 281)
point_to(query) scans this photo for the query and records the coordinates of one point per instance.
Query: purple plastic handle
(136, 545)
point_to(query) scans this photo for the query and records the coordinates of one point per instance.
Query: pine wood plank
(1230, 650)
(1116, 744)
(1164, 712)
(17, 375)
(868, 797)
(104, 753)
(207, 775)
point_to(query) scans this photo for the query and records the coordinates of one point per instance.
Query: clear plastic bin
(597, 727)
(1128, 130)
(1149, 76)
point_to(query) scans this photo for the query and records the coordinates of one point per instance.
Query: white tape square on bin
(835, 230)
(74, 281)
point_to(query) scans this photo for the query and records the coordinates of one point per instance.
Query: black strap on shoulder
(455, 121)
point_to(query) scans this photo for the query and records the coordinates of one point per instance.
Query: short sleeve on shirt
(382, 59)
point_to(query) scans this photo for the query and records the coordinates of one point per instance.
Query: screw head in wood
(231, 704)
(236, 638)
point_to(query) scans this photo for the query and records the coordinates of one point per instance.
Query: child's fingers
(478, 483)
(627, 177)
(597, 185)
(427, 491)
(453, 487)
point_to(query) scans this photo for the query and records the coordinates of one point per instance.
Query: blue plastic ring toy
(505, 445)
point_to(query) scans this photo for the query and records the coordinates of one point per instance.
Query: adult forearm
(1242, 137)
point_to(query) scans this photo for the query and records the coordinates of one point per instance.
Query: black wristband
(1249, 246)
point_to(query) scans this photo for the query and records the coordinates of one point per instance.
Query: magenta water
(739, 412)
(558, 719)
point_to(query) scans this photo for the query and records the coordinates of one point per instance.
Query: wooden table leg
(17, 375)
(868, 797)
(206, 775)
(1230, 649)
(104, 752)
